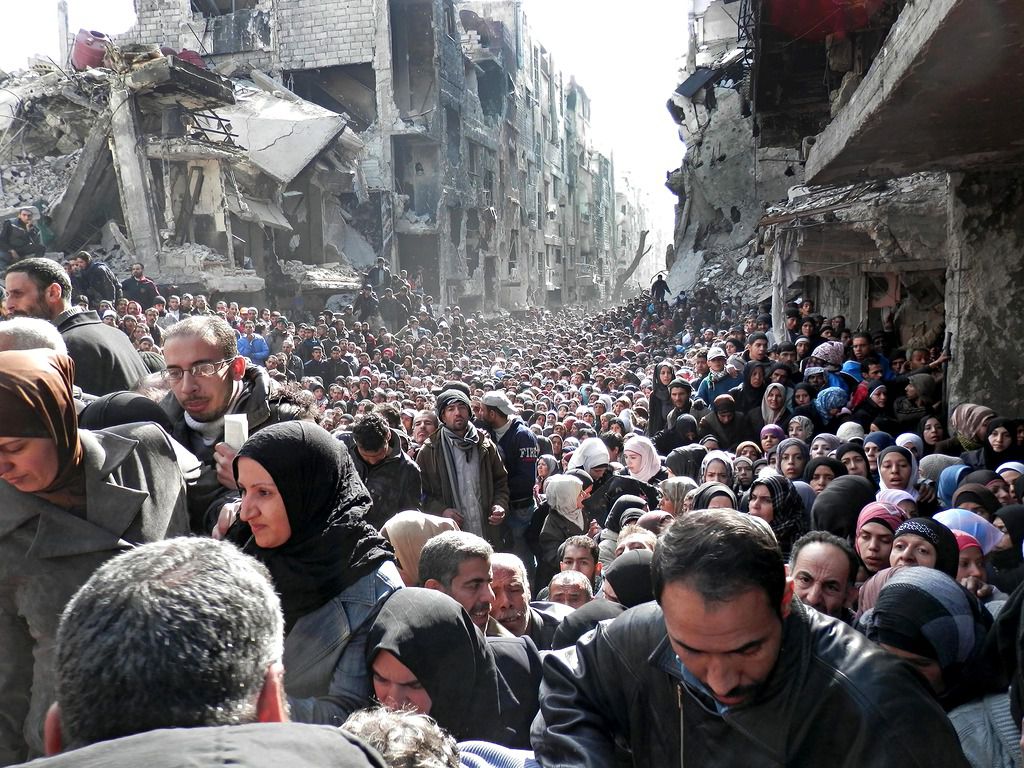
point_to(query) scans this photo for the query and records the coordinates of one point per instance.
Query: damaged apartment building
(864, 158)
(462, 154)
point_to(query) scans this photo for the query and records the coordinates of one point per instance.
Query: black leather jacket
(833, 698)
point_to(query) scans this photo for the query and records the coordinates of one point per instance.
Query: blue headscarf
(949, 479)
(830, 398)
(882, 439)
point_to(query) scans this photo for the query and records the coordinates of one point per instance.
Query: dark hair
(44, 273)
(371, 431)
(824, 537)
(582, 542)
(720, 554)
(83, 255)
(209, 329)
(194, 625)
(391, 413)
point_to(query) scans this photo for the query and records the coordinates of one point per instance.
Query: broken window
(412, 52)
(491, 86)
(417, 174)
(213, 8)
(351, 89)
(449, 21)
(472, 241)
(453, 132)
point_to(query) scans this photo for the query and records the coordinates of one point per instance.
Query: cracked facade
(477, 169)
(811, 170)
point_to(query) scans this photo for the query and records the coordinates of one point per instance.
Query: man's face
(373, 457)
(861, 348)
(875, 372)
(79, 264)
(821, 574)
(732, 646)
(578, 559)
(759, 350)
(287, 347)
(204, 398)
(174, 302)
(471, 588)
(24, 299)
(137, 271)
(679, 396)
(572, 595)
(510, 607)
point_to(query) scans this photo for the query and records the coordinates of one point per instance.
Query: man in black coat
(391, 477)
(729, 668)
(138, 287)
(95, 279)
(19, 239)
(105, 360)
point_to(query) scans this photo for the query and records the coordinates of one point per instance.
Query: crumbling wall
(986, 235)
(308, 34)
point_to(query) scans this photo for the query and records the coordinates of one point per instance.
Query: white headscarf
(562, 494)
(650, 463)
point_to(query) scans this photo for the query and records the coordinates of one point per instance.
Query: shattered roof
(280, 136)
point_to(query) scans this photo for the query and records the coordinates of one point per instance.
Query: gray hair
(513, 563)
(572, 579)
(443, 554)
(405, 739)
(31, 333)
(563, 492)
(173, 634)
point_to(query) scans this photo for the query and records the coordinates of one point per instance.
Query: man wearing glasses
(209, 379)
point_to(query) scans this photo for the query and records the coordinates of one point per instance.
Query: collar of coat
(110, 508)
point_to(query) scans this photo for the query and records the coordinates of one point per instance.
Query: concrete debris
(27, 181)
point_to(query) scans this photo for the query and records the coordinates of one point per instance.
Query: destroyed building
(857, 159)
(473, 170)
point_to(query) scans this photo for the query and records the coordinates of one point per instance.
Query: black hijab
(331, 546)
(836, 508)
(947, 552)
(582, 620)
(435, 638)
(630, 577)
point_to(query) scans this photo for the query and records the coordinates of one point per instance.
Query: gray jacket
(134, 494)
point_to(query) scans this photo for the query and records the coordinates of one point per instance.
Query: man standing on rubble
(19, 239)
(138, 287)
(95, 279)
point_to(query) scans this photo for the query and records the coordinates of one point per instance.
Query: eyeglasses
(198, 370)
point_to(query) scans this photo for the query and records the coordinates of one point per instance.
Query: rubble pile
(26, 180)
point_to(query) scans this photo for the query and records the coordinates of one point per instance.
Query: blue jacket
(518, 448)
(256, 350)
(708, 392)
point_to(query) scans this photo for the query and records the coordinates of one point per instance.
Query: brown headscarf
(408, 531)
(37, 400)
(966, 422)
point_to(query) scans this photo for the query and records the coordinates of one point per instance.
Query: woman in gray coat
(69, 499)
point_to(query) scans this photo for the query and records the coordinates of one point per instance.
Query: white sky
(624, 54)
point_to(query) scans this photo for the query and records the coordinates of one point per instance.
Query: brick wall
(325, 33)
(159, 23)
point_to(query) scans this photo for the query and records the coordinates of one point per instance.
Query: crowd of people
(662, 533)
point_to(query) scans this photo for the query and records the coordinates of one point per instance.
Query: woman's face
(1002, 492)
(791, 463)
(796, 429)
(1006, 542)
(664, 375)
(874, 545)
(879, 397)
(542, 470)
(895, 471)
(721, 501)
(744, 474)
(760, 503)
(774, 399)
(396, 687)
(633, 461)
(802, 397)
(910, 549)
(823, 475)
(909, 506)
(262, 505)
(933, 432)
(757, 377)
(871, 450)
(855, 464)
(1000, 439)
(819, 448)
(750, 452)
(971, 564)
(768, 442)
(28, 463)
(716, 472)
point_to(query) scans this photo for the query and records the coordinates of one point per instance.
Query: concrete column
(986, 264)
(134, 179)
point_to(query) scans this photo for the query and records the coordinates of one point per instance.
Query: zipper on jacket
(682, 723)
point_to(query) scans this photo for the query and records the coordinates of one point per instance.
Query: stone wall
(986, 264)
(159, 22)
(325, 33)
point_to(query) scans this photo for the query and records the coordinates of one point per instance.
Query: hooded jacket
(394, 484)
(831, 692)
